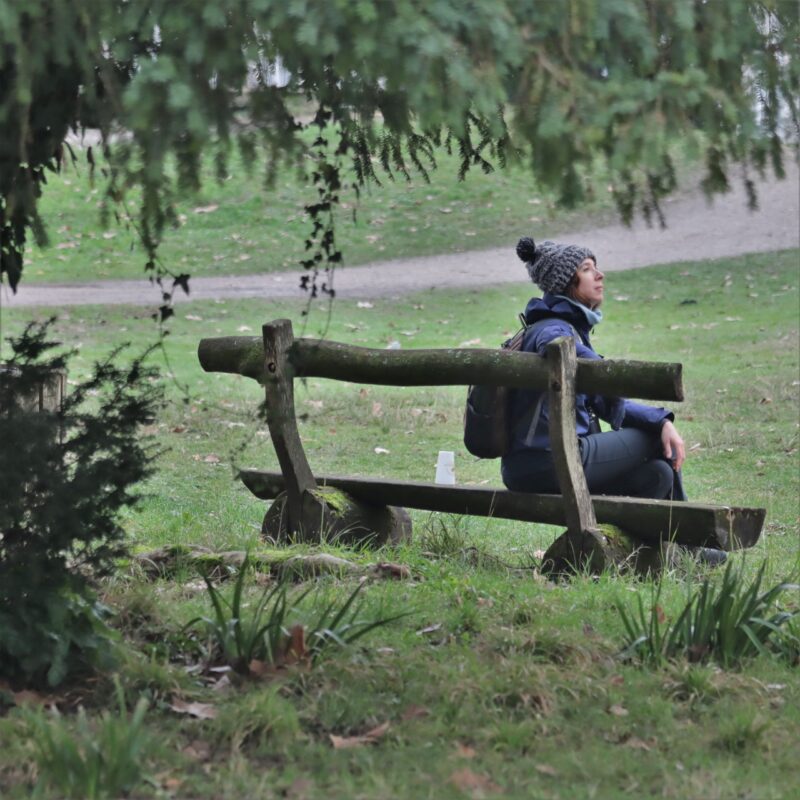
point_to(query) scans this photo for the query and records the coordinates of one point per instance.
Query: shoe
(709, 557)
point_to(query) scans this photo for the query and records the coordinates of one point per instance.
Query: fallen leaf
(616, 680)
(415, 712)
(446, 210)
(296, 650)
(465, 751)
(429, 629)
(381, 451)
(222, 684)
(545, 769)
(299, 788)
(259, 669)
(211, 459)
(376, 409)
(169, 782)
(109, 234)
(193, 318)
(197, 750)
(197, 710)
(388, 569)
(660, 615)
(244, 328)
(618, 710)
(206, 209)
(178, 429)
(27, 697)
(637, 744)
(470, 343)
(468, 781)
(370, 737)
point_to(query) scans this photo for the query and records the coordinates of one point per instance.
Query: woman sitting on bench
(643, 453)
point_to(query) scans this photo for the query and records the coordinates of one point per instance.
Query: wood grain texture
(562, 366)
(693, 524)
(278, 382)
(444, 367)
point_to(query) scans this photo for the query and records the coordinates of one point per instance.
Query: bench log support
(278, 382)
(304, 510)
(582, 537)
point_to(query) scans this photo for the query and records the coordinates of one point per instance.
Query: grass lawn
(236, 227)
(496, 683)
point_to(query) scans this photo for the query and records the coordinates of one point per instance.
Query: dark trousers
(627, 462)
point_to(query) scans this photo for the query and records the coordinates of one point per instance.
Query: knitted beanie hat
(552, 265)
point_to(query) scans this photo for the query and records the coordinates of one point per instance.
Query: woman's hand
(674, 451)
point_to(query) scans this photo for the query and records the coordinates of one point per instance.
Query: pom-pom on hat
(552, 265)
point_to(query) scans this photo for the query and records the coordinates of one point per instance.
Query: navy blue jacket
(619, 413)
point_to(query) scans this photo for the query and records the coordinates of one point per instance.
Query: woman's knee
(655, 480)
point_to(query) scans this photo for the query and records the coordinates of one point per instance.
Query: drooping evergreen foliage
(573, 80)
(65, 474)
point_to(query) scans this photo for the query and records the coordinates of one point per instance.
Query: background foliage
(385, 85)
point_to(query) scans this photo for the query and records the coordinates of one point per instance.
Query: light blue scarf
(593, 316)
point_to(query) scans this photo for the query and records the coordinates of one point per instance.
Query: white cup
(445, 467)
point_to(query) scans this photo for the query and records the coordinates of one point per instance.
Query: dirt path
(696, 230)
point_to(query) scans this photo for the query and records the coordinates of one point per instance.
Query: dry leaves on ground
(197, 710)
(388, 569)
(370, 737)
(473, 783)
(415, 712)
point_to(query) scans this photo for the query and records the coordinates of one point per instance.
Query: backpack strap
(531, 417)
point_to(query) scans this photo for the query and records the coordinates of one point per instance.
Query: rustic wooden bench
(307, 506)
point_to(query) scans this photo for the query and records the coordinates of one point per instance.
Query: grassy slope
(519, 686)
(235, 227)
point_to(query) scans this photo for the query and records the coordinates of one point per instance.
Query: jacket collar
(554, 306)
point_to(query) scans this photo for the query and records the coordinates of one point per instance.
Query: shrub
(66, 474)
(270, 631)
(724, 620)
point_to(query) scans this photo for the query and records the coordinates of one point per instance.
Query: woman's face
(588, 285)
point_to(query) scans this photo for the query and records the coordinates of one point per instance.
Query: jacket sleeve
(617, 411)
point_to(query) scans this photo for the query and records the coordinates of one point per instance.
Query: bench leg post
(279, 392)
(562, 367)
